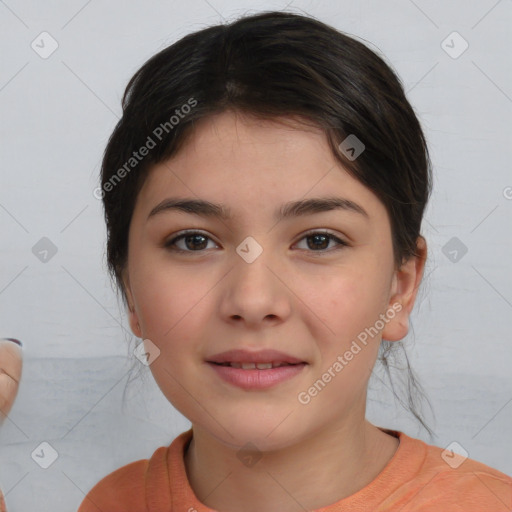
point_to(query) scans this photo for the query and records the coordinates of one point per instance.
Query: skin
(10, 374)
(305, 299)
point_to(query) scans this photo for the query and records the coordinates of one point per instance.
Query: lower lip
(257, 379)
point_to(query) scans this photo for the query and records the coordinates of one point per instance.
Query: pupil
(195, 238)
(325, 238)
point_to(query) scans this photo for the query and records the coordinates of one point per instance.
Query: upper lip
(261, 356)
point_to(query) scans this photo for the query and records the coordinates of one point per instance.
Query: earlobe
(134, 322)
(132, 314)
(404, 288)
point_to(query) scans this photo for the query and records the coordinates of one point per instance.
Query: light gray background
(55, 118)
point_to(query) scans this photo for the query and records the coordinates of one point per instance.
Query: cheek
(350, 307)
(170, 306)
(170, 302)
(154, 295)
(350, 300)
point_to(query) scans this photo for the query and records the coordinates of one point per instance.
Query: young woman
(264, 193)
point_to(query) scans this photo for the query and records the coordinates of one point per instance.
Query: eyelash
(341, 243)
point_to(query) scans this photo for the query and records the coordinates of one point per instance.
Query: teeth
(259, 366)
(263, 366)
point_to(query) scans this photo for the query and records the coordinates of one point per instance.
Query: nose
(255, 293)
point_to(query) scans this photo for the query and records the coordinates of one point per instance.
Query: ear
(404, 287)
(132, 313)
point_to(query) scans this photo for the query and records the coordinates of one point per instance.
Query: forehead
(231, 141)
(249, 164)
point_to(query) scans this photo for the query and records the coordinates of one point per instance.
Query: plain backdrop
(56, 113)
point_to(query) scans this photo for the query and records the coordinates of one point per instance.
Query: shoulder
(144, 485)
(123, 488)
(449, 481)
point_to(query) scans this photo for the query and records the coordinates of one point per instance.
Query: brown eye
(318, 241)
(193, 241)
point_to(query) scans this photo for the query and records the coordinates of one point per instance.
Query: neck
(340, 461)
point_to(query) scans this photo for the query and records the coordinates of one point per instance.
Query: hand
(11, 358)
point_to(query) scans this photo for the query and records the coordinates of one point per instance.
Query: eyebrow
(288, 210)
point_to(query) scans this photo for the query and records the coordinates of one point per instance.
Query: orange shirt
(416, 479)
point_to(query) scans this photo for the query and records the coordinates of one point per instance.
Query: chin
(266, 433)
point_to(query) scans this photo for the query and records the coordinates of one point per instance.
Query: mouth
(256, 376)
(252, 371)
(260, 359)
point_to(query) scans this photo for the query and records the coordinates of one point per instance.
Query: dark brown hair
(272, 65)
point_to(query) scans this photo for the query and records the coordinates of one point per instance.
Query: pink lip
(257, 379)
(262, 356)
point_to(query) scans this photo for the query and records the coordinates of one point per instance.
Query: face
(309, 284)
